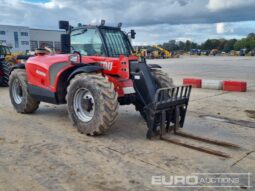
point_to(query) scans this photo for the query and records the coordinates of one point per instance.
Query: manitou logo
(106, 65)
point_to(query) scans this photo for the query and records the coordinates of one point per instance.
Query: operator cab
(96, 40)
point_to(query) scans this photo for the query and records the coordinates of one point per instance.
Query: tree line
(219, 44)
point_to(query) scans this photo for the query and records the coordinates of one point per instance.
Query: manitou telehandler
(96, 72)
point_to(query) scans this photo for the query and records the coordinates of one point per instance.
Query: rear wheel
(20, 97)
(92, 103)
(162, 81)
(6, 66)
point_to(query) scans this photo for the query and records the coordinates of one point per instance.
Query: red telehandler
(96, 72)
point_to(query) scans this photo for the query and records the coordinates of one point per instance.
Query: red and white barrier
(212, 84)
(196, 83)
(238, 86)
(235, 86)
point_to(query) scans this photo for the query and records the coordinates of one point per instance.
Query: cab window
(87, 42)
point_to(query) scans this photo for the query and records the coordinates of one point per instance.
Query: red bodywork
(38, 70)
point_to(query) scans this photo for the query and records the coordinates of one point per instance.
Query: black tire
(6, 66)
(103, 102)
(27, 104)
(162, 81)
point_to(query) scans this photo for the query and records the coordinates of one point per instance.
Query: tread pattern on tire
(6, 69)
(163, 80)
(29, 104)
(108, 99)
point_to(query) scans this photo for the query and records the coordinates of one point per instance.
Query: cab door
(89, 43)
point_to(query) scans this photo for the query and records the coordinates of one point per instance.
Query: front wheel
(92, 103)
(20, 97)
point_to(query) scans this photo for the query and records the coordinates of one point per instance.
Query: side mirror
(133, 33)
(64, 25)
(65, 43)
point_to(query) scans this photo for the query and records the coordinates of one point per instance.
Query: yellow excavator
(165, 53)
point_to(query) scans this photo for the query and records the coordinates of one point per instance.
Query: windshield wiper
(83, 31)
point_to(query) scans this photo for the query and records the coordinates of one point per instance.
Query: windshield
(87, 42)
(117, 43)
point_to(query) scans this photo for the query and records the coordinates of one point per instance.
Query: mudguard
(85, 69)
(151, 66)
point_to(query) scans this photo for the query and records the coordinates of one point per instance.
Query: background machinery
(6, 61)
(163, 52)
(195, 52)
(214, 52)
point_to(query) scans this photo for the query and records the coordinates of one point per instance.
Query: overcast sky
(155, 21)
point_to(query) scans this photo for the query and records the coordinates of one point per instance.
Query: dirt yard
(43, 152)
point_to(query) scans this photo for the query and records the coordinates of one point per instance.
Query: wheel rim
(17, 92)
(84, 105)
